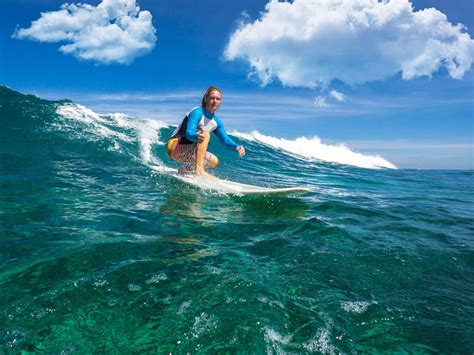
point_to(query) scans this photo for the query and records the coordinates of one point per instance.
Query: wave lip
(116, 127)
(314, 149)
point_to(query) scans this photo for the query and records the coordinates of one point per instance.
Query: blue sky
(382, 79)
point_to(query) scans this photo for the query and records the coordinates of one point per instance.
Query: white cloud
(114, 31)
(338, 96)
(310, 43)
(320, 102)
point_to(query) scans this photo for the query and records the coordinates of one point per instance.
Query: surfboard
(236, 188)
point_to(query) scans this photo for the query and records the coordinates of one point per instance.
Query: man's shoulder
(217, 119)
(197, 111)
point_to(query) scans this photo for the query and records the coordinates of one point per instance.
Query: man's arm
(193, 121)
(222, 134)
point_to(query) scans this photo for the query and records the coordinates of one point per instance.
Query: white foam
(314, 149)
(90, 119)
(146, 131)
(156, 278)
(184, 307)
(276, 341)
(164, 169)
(212, 270)
(356, 306)
(134, 287)
(320, 343)
(272, 336)
(148, 135)
(203, 324)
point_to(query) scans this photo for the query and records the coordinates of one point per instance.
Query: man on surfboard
(188, 143)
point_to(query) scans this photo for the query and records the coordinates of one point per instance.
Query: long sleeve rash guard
(198, 117)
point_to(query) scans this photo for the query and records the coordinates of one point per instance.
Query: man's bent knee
(213, 162)
(171, 146)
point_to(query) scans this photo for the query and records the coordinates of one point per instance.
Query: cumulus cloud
(310, 43)
(114, 31)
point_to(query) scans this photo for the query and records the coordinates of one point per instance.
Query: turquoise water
(102, 253)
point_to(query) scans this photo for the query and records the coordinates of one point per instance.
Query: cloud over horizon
(114, 31)
(310, 43)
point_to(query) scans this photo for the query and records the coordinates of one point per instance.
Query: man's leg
(201, 149)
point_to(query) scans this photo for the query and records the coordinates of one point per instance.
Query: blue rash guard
(198, 117)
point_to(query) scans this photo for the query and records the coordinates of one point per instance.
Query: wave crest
(314, 149)
(118, 128)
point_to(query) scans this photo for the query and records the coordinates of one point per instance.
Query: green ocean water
(103, 253)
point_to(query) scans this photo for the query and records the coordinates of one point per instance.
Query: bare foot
(210, 176)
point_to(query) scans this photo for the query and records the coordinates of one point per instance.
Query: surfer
(188, 143)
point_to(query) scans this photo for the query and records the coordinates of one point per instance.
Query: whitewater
(149, 133)
(104, 251)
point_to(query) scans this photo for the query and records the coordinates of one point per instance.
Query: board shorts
(185, 153)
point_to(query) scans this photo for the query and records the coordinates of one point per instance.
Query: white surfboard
(235, 188)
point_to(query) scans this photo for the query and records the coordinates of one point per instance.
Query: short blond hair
(207, 93)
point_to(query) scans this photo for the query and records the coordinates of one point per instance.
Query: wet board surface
(235, 188)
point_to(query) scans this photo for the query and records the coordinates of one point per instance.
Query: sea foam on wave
(313, 149)
(120, 128)
(116, 127)
(96, 124)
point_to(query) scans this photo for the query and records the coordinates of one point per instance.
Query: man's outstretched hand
(241, 150)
